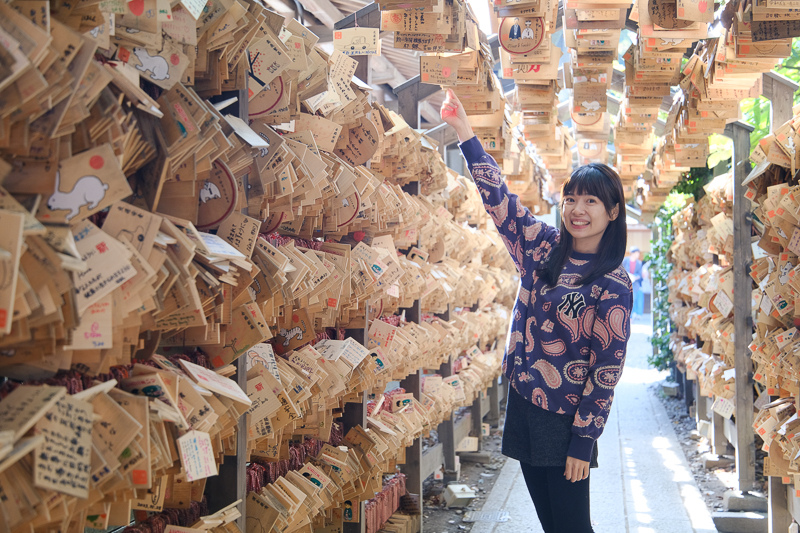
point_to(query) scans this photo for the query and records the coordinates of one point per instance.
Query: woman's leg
(536, 478)
(569, 503)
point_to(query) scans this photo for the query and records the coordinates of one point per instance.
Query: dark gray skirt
(537, 436)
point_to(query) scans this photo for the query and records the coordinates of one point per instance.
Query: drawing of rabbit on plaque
(164, 68)
(521, 35)
(84, 184)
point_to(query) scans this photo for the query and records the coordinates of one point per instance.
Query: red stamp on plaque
(139, 477)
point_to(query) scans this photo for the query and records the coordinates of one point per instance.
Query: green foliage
(790, 67)
(660, 268)
(692, 183)
(720, 149)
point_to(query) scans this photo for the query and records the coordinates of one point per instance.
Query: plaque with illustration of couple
(521, 35)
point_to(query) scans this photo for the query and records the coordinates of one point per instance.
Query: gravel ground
(480, 477)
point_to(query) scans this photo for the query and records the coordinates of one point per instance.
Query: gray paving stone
(734, 500)
(740, 522)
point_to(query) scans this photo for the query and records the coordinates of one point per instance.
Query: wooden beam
(429, 113)
(384, 71)
(366, 17)
(779, 90)
(327, 13)
(281, 7)
(409, 95)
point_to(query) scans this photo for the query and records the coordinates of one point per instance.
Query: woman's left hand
(577, 470)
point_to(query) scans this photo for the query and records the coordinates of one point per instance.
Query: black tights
(562, 506)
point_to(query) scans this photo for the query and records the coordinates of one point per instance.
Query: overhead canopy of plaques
(639, 84)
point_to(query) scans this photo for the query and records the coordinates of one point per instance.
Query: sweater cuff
(581, 447)
(472, 150)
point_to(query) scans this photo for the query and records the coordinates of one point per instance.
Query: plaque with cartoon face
(521, 35)
(218, 195)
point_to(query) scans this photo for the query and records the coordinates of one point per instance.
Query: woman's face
(586, 219)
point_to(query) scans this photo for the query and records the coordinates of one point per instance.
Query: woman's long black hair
(602, 181)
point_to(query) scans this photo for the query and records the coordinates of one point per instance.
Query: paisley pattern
(608, 376)
(538, 397)
(530, 342)
(515, 338)
(601, 333)
(499, 213)
(573, 399)
(567, 362)
(554, 348)
(531, 232)
(576, 372)
(552, 377)
(487, 174)
(541, 251)
(524, 296)
(580, 422)
(565, 281)
(587, 322)
(618, 321)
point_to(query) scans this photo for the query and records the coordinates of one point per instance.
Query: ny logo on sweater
(572, 304)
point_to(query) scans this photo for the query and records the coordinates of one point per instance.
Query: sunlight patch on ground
(690, 495)
(642, 375)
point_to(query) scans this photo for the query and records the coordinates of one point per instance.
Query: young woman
(570, 327)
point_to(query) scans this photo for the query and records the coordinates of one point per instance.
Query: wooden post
(413, 384)
(445, 136)
(494, 403)
(355, 414)
(477, 420)
(701, 411)
(366, 17)
(778, 516)
(739, 132)
(231, 482)
(447, 433)
(779, 90)
(409, 95)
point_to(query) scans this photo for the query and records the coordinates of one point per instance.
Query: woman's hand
(454, 114)
(576, 470)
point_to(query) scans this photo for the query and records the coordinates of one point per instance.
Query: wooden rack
(783, 503)
(230, 485)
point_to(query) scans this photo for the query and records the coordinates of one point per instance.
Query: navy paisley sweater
(566, 346)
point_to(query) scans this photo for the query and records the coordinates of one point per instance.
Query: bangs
(593, 181)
